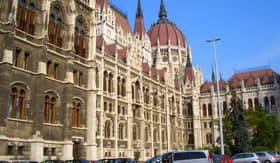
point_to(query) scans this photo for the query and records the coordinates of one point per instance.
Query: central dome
(164, 31)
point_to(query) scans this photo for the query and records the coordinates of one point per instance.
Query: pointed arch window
(146, 133)
(272, 101)
(204, 110)
(121, 131)
(50, 104)
(134, 132)
(190, 109)
(76, 114)
(55, 26)
(79, 40)
(266, 102)
(256, 101)
(26, 17)
(123, 88)
(16, 104)
(107, 129)
(209, 110)
(250, 103)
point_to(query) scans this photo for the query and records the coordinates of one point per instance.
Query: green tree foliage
(264, 127)
(239, 129)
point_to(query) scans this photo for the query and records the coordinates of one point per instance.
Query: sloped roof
(145, 68)
(102, 4)
(122, 21)
(122, 54)
(189, 74)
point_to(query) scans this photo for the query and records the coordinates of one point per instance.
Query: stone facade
(77, 83)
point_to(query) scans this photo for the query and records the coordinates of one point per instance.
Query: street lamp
(218, 92)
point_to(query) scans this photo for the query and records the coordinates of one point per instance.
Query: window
(10, 150)
(250, 104)
(121, 131)
(16, 104)
(20, 150)
(134, 133)
(123, 88)
(53, 151)
(224, 107)
(190, 109)
(75, 77)
(105, 106)
(204, 110)
(16, 58)
(55, 27)
(97, 78)
(25, 17)
(256, 101)
(49, 64)
(55, 75)
(191, 139)
(209, 110)
(272, 100)
(26, 61)
(105, 78)
(107, 129)
(79, 40)
(266, 102)
(81, 79)
(146, 134)
(50, 104)
(205, 124)
(76, 114)
(46, 151)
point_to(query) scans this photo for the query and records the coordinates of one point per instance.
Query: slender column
(91, 116)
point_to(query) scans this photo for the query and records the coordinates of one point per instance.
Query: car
(117, 160)
(266, 157)
(221, 159)
(155, 159)
(277, 155)
(198, 156)
(246, 158)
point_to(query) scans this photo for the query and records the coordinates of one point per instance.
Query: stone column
(8, 56)
(91, 115)
(67, 151)
(37, 148)
(196, 122)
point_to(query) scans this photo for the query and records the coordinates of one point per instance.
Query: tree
(239, 130)
(264, 126)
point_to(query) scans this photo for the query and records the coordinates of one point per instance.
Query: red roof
(222, 84)
(189, 74)
(266, 76)
(164, 31)
(122, 21)
(161, 75)
(99, 42)
(139, 27)
(102, 4)
(145, 68)
(122, 54)
(109, 48)
(205, 87)
(154, 72)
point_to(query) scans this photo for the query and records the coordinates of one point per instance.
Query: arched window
(107, 129)
(155, 99)
(79, 42)
(250, 103)
(25, 17)
(266, 102)
(208, 139)
(121, 131)
(256, 101)
(119, 86)
(123, 88)
(146, 133)
(97, 78)
(16, 104)
(110, 85)
(76, 114)
(50, 103)
(105, 78)
(132, 91)
(134, 132)
(272, 101)
(191, 139)
(204, 110)
(163, 136)
(209, 109)
(55, 26)
(224, 107)
(190, 109)
(155, 135)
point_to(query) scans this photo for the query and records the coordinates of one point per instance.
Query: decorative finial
(162, 13)
(189, 63)
(213, 74)
(139, 10)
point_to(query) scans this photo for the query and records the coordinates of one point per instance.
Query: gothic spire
(162, 13)
(139, 10)
(213, 74)
(189, 63)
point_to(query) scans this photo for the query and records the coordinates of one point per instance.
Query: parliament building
(76, 82)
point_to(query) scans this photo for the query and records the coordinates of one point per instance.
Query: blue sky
(249, 29)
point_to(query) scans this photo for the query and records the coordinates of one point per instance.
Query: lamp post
(218, 92)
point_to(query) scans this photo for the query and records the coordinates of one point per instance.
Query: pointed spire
(139, 27)
(139, 10)
(213, 74)
(189, 63)
(162, 13)
(221, 78)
